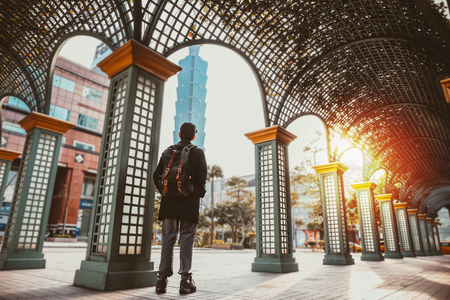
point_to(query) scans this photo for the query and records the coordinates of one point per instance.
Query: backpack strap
(168, 169)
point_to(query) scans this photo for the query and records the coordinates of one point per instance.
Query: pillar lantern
(429, 222)
(27, 223)
(437, 239)
(369, 230)
(6, 159)
(416, 237)
(337, 251)
(424, 234)
(274, 245)
(120, 237)
(404, 231)
(389, 225)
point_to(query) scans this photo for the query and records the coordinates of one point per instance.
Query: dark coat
(185, 208)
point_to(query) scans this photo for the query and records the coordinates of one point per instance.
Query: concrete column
(27, 223)
(389, 225)
(274, 247)
(415, 232)
(424, 234)
(429, 222)
(404, 231)
(437, 239)
(369, 230)
(337, 250)
(6, 159)
(120, 239)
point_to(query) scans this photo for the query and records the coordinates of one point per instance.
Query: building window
(64, 83)
(13, 101)
(92, 94)
(87, 190)
(13, 127)
(88, 122)
(84, 146)
(59, 113)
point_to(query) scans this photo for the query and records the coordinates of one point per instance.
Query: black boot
(161, 286)
(187, 286)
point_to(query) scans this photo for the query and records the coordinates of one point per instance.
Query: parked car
(445, 247)
(355, 247)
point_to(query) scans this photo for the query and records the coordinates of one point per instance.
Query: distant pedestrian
(178, 211)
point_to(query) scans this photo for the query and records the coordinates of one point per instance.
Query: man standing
(180, 214)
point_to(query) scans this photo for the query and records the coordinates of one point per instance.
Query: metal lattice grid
(366, 221)
(267, 199)
(285, 234)
(388, 224)
(415, 233)
(135, 204)
(424, 234)
(403, 229)
(106, 183)
(333, 231)
(3, 165)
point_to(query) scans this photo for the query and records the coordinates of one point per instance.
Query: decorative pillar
(429, 222)
(369, 229)
(415, 232)
(424, 234)
(273, 205)
(390, 233)
(337, 251)
(437, 239)
(6, 159)
(120, 237)
(404, 230)
(27, 223)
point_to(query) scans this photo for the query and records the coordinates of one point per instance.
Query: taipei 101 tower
(191, 95)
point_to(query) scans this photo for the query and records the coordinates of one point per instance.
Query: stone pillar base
(274, 265)
(372, 257)
(115, 276)
(393, 255)
(24, 263)
(333, 259)
(408, 254)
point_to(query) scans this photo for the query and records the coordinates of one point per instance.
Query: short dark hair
(187, 131)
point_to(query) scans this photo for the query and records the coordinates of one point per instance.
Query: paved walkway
(222, 274)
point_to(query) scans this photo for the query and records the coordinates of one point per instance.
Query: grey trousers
(169, 234)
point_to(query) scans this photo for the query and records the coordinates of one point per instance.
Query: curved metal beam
(408, 139)
(151, 27)
(398, 170)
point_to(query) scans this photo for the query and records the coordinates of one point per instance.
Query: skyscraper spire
(191, 95)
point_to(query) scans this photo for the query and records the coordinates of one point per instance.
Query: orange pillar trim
(38, 120)
(383, 197)
(9, 154)
(271, 133)
(421, 216)
(400, 205)
(330, 168)
(134, 53)
(412, 211)
(446, 87)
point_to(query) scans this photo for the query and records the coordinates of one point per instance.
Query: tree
(239, 211)
(213, 172)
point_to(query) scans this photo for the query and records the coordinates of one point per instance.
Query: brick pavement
(222, 274)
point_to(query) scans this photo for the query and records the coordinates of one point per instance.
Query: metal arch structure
(367, 68)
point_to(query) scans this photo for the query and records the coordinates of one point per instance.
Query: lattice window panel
(104, 199)
(415, 233)
(135, 204)
(389, 238)
(3, 165)
(267, 199)
(37, 191)
(283, 200)
(430, 235)
(334, 237)
(342, 209)
(366, 221)
(403, 229)
(424, 234)
(436, 238)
